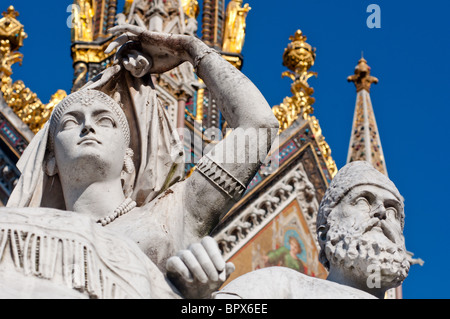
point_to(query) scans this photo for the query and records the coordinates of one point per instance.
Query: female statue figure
(109, 152)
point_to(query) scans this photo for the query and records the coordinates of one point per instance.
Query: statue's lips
(89, 139)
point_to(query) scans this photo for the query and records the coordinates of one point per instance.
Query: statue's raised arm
(223, 174)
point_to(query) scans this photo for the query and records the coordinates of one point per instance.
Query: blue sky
(409, 54)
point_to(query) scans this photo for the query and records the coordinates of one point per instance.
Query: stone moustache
(111, 158)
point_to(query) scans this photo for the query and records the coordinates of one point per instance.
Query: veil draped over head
(158, 152)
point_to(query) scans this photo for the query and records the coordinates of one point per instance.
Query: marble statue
(360, 232)
(101, 185)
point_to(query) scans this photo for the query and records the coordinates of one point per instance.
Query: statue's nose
(379, 212)
(87, 128)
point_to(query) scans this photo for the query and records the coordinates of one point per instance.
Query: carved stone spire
(365, 143)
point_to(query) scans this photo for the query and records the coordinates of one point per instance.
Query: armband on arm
(221, 178)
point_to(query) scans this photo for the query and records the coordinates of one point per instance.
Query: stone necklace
(123, 208)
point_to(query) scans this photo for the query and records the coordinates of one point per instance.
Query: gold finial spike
(11, 29)
(299, 56)
(11, 12)
(362, 78)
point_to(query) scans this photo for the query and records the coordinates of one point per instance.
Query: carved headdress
(87, 97)
(352, 175)
(158, 152)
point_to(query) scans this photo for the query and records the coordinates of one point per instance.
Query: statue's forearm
(224, 173)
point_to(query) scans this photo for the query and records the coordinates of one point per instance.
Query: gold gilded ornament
(235, 25)
(299, 57)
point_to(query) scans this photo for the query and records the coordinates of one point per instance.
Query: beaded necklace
(123, 208)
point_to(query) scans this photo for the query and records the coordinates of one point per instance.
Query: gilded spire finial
(11, 12)
(12, 35)
(362, 78)
(11, 29)
(298, 57)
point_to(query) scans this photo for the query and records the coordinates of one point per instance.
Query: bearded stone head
(360, 228)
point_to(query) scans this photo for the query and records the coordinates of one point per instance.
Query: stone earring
(128, 164)
(50, 166)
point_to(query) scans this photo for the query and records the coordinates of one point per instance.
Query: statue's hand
(200, 270)
(137, 63)
(166, 51)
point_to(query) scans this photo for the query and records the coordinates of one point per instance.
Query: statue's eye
(106, 121)
(362, 204)
(69, 122)
(391, 212)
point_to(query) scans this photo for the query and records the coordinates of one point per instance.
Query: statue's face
(366, 235)
(89, 143)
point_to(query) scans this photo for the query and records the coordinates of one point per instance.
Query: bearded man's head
(360, 226)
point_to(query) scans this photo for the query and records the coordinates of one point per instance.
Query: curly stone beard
(369, 248)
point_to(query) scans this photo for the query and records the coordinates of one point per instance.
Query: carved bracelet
(221, 178)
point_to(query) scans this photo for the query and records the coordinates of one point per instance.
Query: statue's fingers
(121, 40)
(143, 35)
(136, 59)
(193, 265)
(142, 61)
(116, 43)
(132, 61)
(145, 64)
(230, 268)
(205, 261)
(103, 78)
(128, 64)
(212, 248)
(136, 63)
(131, 65)
(175, 266)
(126, 28)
